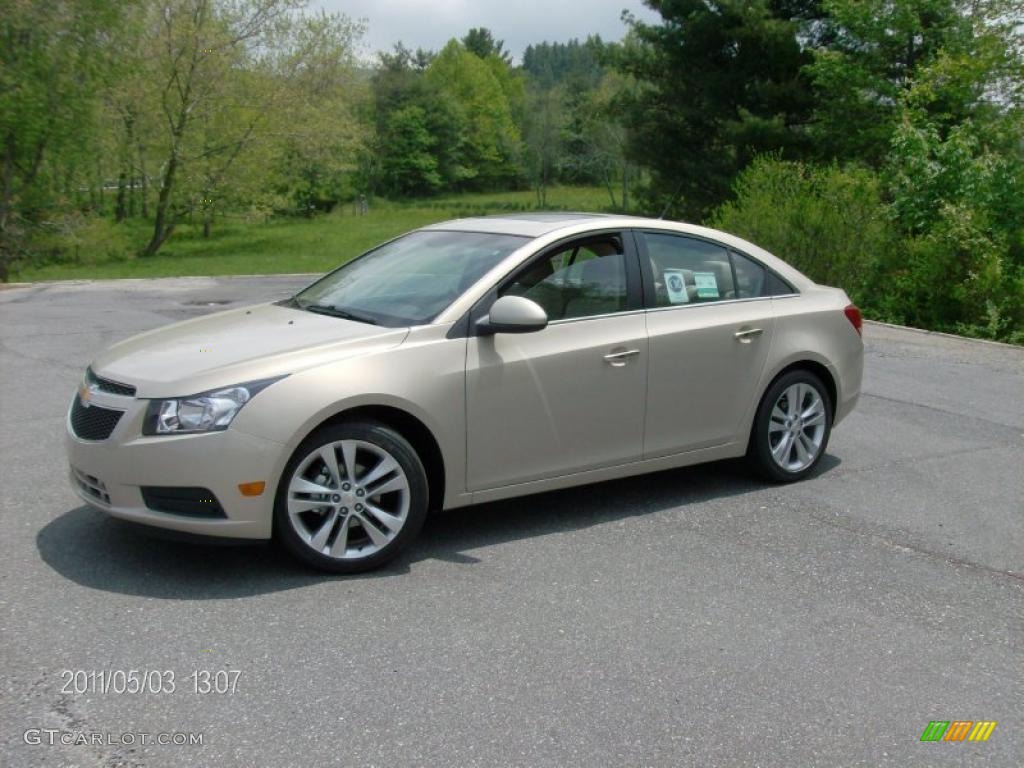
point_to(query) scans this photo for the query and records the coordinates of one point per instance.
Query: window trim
(732, 269)
(651, 298)
(465, 326)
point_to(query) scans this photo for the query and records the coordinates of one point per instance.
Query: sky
(432, 23)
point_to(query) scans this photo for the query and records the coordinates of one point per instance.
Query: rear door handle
(746, 335)
(618, 359)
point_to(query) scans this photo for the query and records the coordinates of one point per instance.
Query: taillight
(853, 315)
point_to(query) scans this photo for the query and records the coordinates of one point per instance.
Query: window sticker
(707, 285)
(675, 284)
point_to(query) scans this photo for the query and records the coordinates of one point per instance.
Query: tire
(341, 522)
(778, 419)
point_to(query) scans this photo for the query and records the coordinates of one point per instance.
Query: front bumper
(109, 474)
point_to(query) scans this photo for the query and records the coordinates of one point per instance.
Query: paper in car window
(707, 285)
(675, 284)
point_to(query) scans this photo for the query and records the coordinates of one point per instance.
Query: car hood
(237, 346)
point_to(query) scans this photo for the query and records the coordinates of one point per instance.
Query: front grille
(91, 486)
(94, 422)
(191, 502)
(106, 385)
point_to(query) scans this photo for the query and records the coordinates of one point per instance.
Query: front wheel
(351, 497)
(791, 428)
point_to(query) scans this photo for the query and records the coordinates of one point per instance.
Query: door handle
(618, 359)
(746, 335)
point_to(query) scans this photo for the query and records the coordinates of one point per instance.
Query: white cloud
(431, 23)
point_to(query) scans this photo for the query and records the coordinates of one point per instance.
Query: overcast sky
(431, 23)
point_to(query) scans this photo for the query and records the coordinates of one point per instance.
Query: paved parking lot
(693, 617)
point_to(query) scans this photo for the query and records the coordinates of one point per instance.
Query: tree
(601, 138)
(128, 110)
(487, 148)
(406, 104)
(717, 83)
(410, 168)
(543, 139)
(958, 196)
(315, 137)
(549, 64)
(947, 56)
(52, 66)
(225, 70)
(198, 46)
(402, 59)
(480, 42)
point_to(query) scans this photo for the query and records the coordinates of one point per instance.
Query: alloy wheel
(348, 499)
(796, 428)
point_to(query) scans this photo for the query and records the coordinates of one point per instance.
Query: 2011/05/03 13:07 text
(155, 681)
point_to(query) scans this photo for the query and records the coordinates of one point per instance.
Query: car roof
(527, 224)
(536, 224)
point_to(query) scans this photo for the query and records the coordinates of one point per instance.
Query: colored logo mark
(958, 730)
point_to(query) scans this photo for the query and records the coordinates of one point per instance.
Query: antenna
(671, 200)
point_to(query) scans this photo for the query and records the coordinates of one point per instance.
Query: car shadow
(99, 552)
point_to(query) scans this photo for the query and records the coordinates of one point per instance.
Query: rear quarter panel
(812, 326)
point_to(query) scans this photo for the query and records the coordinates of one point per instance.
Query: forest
(877, 145)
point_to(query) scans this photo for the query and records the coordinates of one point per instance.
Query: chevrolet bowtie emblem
(84, 393)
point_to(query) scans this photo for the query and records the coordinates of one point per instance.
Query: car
(468, 361)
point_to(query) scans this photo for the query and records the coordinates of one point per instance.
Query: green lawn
(285, 245)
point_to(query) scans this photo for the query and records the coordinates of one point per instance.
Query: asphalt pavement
(692, 617)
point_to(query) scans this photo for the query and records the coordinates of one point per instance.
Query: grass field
(284, 245)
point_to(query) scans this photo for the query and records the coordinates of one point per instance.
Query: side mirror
(513, 314)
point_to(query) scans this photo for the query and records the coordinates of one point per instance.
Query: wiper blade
(344, 314)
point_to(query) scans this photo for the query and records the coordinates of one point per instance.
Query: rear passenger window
(750, 277)
(688, 271)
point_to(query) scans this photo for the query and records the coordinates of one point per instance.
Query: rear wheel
(351, 497)
(791, 428)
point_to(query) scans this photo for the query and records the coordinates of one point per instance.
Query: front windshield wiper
(326, 309)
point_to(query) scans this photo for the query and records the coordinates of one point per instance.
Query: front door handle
(746, 335)
(618, 359)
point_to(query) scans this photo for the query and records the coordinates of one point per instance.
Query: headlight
(206, 412)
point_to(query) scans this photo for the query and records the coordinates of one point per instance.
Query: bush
(828, 222)
(931, 248)
(75, 238)
(959, 199)
(953, 277)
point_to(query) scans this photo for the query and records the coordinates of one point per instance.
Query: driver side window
(582, 279)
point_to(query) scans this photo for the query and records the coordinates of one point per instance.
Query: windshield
(408, 281)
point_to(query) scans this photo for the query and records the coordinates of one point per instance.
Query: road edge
(943, 334)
